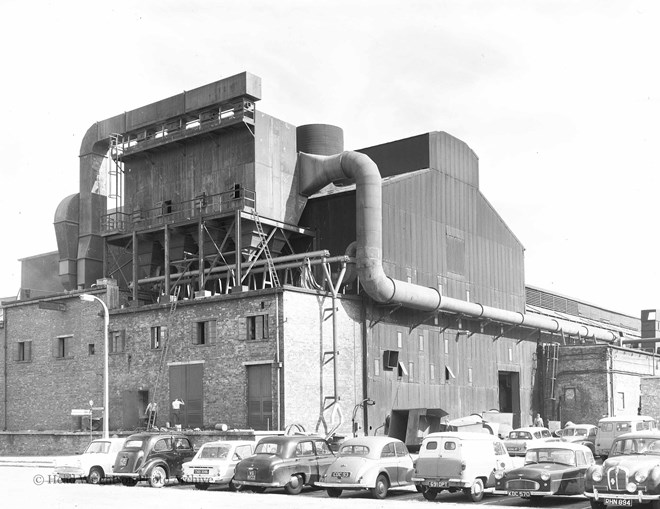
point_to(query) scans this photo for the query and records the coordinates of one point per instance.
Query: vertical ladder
(552, 358)
(151, 418)
(275, 281)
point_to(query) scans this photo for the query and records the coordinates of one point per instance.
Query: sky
(560, 100)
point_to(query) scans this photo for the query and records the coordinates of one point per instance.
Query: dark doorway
(186, 385)
(509, 394)
(134, 405)
(260, 397)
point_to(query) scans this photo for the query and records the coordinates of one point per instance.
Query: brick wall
(650, 390)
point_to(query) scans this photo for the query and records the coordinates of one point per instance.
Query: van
(455, 461)
(611, 427)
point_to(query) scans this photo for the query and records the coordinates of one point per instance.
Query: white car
(94, 465)
(521, 439)
(215, 462)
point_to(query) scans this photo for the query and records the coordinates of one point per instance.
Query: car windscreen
(268, 448)
(98, 447)
(638, 445)
(215, 452)
(354, 450)
(562, 456)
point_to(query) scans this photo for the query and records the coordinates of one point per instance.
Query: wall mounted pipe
(317, 171)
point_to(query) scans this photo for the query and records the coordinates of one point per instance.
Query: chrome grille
(522, 484)
(617, 478)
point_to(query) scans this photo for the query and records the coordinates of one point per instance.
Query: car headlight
(545, 476)
(640, 476)
(499, 474)
(597, 475)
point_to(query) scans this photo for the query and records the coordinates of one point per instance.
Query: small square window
(117, 343)
(24, 351)
(204, 332)
(91, 348)
(158, 336)
(257, 327)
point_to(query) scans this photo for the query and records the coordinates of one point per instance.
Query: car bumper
(343, 486)
(260, 484)
(442, 483)
(638, 497)
(71, 473)
(127, 475)
(206, 479)
(523, 493)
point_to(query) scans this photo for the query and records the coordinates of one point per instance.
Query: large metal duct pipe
(317, 171)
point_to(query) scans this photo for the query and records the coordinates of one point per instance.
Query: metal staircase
(274, 279)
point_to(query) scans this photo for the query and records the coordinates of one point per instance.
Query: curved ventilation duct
(66, 223)
(317, 171)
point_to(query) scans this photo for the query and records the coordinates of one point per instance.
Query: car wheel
(295, 485)
(235, 487)
(129, 482)
(334, 492)
(380, 490)
(476, 492)
(201, 486)
(420, 488)
(429, 494)
(598, 505)
(95, 475)
(157, 477)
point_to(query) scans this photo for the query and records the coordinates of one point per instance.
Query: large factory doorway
(260, 397)
(186, 386)
(509, 394)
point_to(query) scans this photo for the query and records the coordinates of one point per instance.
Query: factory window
(204, 333)
(446, 345)
(257, 327)
(376, 367)
(510, 355)
(449, 374)
(421, 343)
(63, 347)
(91, 348)
(390, 359)
(24, 351)
(158, 336)
(399, 339)
(411, 372)
(117, 341)
(470, 376)
(432, 371)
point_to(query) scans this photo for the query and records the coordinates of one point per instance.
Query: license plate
(200, 470)
(252, 475)
(341, 474)
(523, 494)
(513, 448)
(66, 476)
(123, 461)
(438, 484)
(620, 502)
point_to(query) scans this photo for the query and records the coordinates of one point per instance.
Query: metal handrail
(172, 212)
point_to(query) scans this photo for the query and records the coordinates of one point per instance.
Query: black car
(154, 457)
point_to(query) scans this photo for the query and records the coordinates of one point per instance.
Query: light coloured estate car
(521, 439)
(373, 463)
(94, 465)
(214, 463)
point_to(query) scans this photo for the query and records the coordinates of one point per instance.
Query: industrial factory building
(266, 276)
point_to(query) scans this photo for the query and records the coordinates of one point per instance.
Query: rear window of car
(268, 448)
(450, 446)
(164, 444)
(605, 426)
(623, 427)
(431, 445)
(215, 452)
(98, 447)
(354, 450)
(520, 435)
(133, 444)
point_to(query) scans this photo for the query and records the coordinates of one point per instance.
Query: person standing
(176, 411)
(538, 421)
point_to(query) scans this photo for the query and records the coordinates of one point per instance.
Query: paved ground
(30, 482)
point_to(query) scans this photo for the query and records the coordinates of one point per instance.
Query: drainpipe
(278, 363)
(4, 424)
(318, 171)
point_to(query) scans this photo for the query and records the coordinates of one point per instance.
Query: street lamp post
(106, 391)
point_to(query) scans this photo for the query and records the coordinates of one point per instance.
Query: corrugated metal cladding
(540, 298)
(427, 215)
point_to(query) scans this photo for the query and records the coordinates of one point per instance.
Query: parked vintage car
(373, 463)
(214, 463)
(584, 434)
(630, 475)
(289, 462)
(459, 461)
(93, 465)
(520, 439)
(551, 468)
(155, 457)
